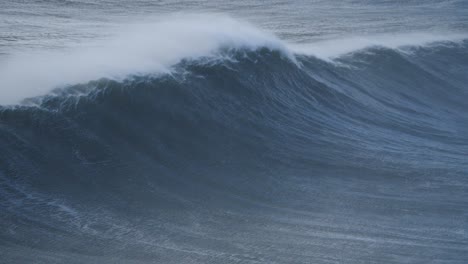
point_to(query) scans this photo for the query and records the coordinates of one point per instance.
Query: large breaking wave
(237, 148)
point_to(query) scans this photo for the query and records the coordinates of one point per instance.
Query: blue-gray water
(233, 132)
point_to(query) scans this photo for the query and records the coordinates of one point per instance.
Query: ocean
(209, 131)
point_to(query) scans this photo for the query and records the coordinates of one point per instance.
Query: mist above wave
(145, 48)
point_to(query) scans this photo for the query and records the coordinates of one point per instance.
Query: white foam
(333, 48)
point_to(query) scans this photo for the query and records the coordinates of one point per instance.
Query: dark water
(196, 138)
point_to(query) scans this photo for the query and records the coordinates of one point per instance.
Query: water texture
(233, 132)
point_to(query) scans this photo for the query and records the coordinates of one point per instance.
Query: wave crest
(155, 47)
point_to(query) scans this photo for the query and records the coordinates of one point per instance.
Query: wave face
(256, 153)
